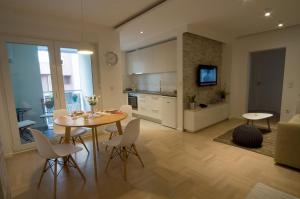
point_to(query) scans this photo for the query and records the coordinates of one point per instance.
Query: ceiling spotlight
(267, 14)
(141, 32)
(280, 25)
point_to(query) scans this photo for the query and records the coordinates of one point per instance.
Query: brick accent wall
(199, 50)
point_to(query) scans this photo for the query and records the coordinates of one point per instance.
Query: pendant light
(84, 47)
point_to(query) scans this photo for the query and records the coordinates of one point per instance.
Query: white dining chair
(112, 128)
(52, 153)
(123, 145)
(76, 133)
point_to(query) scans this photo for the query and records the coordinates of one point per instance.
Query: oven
(133, 100)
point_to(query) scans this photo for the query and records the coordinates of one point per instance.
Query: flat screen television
(207, 75)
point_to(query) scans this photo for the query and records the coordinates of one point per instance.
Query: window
(67, 79)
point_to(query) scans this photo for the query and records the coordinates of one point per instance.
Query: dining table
(93, 122)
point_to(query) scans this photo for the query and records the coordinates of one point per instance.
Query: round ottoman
(247, 136)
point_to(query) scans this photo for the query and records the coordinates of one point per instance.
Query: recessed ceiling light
(141, 32)
(280, 25)
(267, 14)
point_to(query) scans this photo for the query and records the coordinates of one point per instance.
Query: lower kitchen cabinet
(169, 111)
(157, 107)
(149, 105)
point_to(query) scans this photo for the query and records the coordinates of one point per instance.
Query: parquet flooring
(177, 165)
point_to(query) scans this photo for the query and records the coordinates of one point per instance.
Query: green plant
(74, 97)
(49, 103)
(221, 93)
(191, 98)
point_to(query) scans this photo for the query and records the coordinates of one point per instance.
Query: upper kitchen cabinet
(164, 57)
(132, 62)
(155, 59)
(139, 61)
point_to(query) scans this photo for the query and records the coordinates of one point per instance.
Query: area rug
(268, 144)
(262, 191)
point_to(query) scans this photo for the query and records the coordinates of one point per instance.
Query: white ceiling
(104, 12)
(228, 17)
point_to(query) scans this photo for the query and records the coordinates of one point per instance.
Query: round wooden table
(68, 122)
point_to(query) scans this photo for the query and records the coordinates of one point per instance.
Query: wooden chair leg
(60, 140)
(110, 136)
(110, 158)
(138, 155)
(55, 177)
(269, 126)
(73, 141)
(82, 142)
(125, 156)
(43, 172)
(77, 167)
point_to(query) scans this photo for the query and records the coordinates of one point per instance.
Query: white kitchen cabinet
(164, 57)
(140, 61)
(149, 105)
(155, 59)
(144, 60)
(132, 64)
(143, 105)
(169, 111)
(155, 106)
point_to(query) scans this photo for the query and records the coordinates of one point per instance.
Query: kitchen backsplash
(154, 82)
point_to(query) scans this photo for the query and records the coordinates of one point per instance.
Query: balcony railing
(73, 98)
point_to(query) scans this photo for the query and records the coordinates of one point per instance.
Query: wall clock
(111, 58)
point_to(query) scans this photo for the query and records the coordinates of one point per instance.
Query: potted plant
(221, 94)
(92, 100)
(74, 97)
(192, 101)
(49, 102)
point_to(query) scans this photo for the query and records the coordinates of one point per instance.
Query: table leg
(94, 152)
(119, 126)
(96, 135)
(247, 122)
(67, 135)
(269, 126)
(252, 122)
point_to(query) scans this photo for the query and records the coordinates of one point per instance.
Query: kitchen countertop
(169, 94)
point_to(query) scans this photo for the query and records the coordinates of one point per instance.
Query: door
(31, 89)
(40, 76)
(76, 79)
(266, 80)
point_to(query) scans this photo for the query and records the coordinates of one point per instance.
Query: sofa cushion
(295, 119)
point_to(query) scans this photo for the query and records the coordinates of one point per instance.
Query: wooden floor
(177, 165)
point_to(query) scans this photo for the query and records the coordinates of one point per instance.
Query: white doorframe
(8, 90)
(95, 78)
(56, 77)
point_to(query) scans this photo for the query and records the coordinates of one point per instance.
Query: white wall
(288, 38)
(14, 23)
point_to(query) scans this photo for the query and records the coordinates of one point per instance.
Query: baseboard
(147, 118)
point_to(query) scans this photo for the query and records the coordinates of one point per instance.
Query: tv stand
(197, 119)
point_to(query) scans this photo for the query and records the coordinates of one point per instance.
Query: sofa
(287, 149)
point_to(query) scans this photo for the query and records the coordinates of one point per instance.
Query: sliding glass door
(77, 79)
(43, 76)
